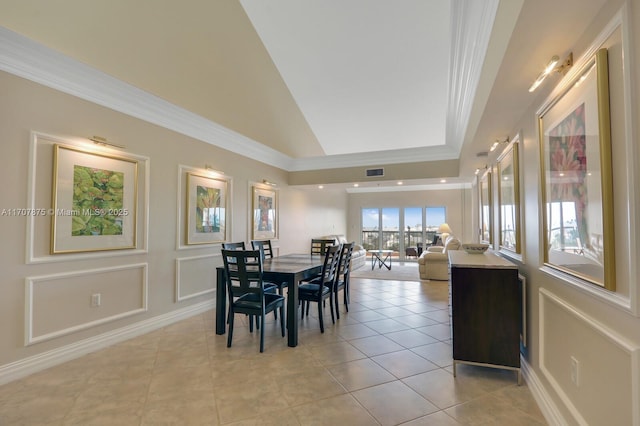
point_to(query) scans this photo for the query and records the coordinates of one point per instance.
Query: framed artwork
(206, 209)
(265, 213)
(577, 179)
(486, 217)
(509, 199)
(94, 201)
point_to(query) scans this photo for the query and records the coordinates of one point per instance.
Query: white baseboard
(24, 367)
(545, 403)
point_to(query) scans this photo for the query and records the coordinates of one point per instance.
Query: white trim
(30, 282)
(408, 188)
(611, 335)
(470, 41)
(179, 296)
(548, 408)
(33, 364)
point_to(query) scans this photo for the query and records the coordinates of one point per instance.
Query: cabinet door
(486, 305)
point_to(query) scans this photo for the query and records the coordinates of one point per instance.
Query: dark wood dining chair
(320, 288)
(269, 287)
(319, 245)
(266, 247)
(246, 290)
(342, 276)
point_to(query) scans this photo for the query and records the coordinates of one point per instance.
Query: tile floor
(386, 362)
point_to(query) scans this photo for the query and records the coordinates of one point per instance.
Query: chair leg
(320, 317)
(282, 319)
(261, 333)
(337, 305)
(333, 318)
(230, 336)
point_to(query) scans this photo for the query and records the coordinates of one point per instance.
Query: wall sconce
(480, 169)
(267, 182)
(496, 143)
(98, 140)
(551, 67)
(208, 168)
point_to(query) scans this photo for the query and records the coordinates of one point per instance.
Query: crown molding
(470, 37)
(26, 58)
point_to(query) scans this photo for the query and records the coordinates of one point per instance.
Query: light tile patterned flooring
(385, 362)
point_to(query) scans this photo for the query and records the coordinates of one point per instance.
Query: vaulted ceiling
(314, 83)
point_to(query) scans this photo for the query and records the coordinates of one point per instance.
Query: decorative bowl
(475, 248)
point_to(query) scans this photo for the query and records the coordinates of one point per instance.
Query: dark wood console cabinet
(486, 310)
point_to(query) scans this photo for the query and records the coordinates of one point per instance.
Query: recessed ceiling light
(356, 185)
(320, 187)
(400, 183)
(443, 181)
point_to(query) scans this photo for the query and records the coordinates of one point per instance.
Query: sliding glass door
(405, 230)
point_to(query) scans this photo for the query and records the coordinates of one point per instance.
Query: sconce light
(98, 140)
(208, 168)
(498, 142)
(551, 67)
(266, 182)
(481, 169)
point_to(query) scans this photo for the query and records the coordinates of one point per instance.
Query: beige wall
(52, 292)
(566, 318)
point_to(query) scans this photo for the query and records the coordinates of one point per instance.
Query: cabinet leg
(454, 369)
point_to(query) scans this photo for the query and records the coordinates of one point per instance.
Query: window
(400, 228)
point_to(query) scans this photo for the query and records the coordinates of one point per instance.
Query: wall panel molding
(182, 267)
(33, 284)
(615, 345)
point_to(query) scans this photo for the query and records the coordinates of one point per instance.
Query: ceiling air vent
(375, 172)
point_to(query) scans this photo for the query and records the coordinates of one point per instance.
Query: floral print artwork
(568, 166)
(97, 202)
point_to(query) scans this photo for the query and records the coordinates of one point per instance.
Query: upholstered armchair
(434, 262)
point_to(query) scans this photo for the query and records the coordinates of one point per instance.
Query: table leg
(292, 311)
(221, 301)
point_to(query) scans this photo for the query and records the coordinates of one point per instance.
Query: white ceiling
(366, 74)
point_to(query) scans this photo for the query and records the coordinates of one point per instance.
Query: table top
(380, 251)
(488, 259)
(291, 263)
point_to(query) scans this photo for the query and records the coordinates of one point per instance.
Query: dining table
(289, 268)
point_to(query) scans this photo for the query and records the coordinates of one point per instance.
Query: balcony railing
(391, 239)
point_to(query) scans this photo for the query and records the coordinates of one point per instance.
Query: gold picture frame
(486, 211)
(207, 209)
(509, 199)
(265, 213)
(577, 178)
(94, 201)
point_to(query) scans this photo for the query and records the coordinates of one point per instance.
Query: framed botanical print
(577, 178)
(206, 209)
(94, 201)
(486, 214)
(509, 199)
(265, 213)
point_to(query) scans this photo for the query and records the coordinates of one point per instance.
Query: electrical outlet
(575, 368)
(95, 300)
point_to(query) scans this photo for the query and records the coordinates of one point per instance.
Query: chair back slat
(244, 272)
(264, 246)
(330, 266)
(234, 246)
(345, 261)
(319, 245)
